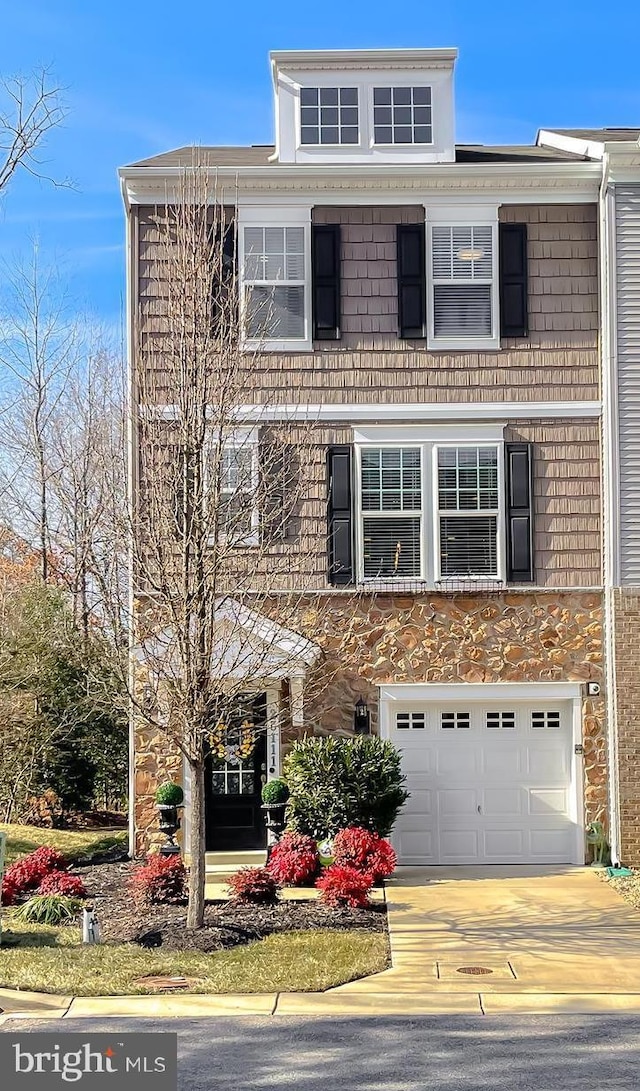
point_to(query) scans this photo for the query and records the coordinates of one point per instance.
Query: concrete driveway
(520, 935)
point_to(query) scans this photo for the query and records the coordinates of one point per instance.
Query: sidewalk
(535, 941)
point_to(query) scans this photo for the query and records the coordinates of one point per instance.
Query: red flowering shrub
(254, 884)
(163, 879)
(294, 859)
(365, 851)
(60, 882)
(9, 892)
(342, 885)
(28, 873)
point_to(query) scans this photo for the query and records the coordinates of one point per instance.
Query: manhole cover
(474, 970)
(154, 981)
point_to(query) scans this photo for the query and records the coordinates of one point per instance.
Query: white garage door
(488, 784)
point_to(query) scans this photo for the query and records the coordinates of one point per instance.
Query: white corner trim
(482, 691)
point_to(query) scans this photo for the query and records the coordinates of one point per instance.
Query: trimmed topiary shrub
(169, 795)
(275, 791)
(335, 783)
(162, 880)
(49, 909)
(365, 851)
(341, 885)
(60, 882)
(294, 859)
(254, 884)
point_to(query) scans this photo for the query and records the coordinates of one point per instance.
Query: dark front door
(234, 819)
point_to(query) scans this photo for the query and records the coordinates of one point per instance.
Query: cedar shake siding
(558, 360)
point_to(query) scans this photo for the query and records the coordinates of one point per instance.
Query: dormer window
(329, 115)
(402, 115)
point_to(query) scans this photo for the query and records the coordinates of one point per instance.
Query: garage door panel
(550, 764)
(500, 845)
(458, 845)
(457, 801)
(502, 763)
(457, 761)
(416, 846)
(551, 801)
(502, 801)
(550, 843)
(485, 786)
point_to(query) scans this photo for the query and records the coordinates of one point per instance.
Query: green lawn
(53, 960)
(73, 843)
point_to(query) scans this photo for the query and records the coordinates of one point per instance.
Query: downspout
(131, 463)
(611, 491)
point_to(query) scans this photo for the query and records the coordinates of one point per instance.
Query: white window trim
(422, 513)
(242, 439)
(499, 578)
(322, 87)
(270, 216)
(483, 436)
(407, 81)
(469, 216)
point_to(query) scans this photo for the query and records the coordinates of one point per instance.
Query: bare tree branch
(32, 107)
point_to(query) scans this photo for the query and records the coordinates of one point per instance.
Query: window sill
(463, 344)
(250, 542)
(277, 346)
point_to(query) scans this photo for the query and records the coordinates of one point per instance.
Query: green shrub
(335, 783)
(48, 909)
(275, 791)
(169, 795)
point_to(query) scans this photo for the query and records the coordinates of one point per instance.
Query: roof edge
(295, 57)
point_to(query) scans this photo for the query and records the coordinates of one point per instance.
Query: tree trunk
(195, 910)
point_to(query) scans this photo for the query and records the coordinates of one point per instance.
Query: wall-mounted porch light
(361, 717)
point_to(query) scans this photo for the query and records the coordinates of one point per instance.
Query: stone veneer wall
(626, 620)
(369, 640)
(509, 637)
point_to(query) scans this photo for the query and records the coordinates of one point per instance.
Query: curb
(37, 1006)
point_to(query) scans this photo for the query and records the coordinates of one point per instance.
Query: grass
(53, 960)
(75, 844)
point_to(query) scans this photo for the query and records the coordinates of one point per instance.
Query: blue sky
(142, 78)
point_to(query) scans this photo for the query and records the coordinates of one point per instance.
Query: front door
(234, 818)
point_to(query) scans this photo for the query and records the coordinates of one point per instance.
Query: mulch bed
(227, 924)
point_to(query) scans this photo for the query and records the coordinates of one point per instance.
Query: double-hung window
(430, 511)
(274, 283)
(391, 498)
(463, 285)
(467, 511)
(235, 459)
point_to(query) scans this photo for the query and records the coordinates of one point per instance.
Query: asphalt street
(447, 1053)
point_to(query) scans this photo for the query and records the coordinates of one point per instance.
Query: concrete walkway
(538, 941)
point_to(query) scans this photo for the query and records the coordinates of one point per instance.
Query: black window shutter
(411, 280)
(514, 316)
(518, 480)
(340, 516)
(325, 261)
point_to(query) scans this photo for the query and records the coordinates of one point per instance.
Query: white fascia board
(431, 433)
(419, 412)
(338, 58)
(481, 692)
(391, 184)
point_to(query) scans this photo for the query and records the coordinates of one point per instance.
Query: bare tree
(38, 351)
(223, 552)
(29, 110)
